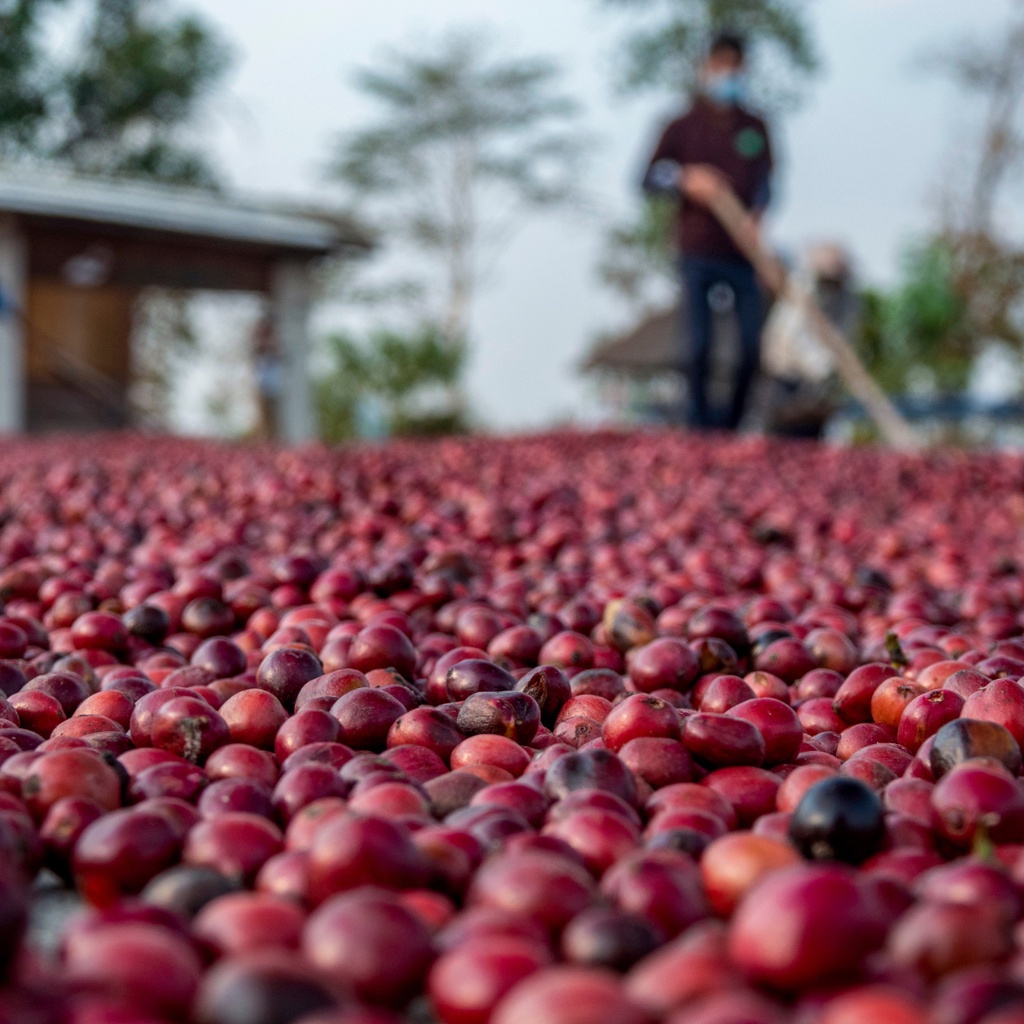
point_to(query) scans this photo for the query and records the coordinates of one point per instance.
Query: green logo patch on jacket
(749, 143)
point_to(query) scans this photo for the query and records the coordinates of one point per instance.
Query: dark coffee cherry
(967, 738)
(838, 819)
(148, 622)
(263, 987)
(603, 937)
(685, 840)
(186, 889)
(761, 643)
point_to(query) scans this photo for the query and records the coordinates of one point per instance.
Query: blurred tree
(25, 87)
(987, 266)
(134, 89)
(665, 54)
(122, 102)
(666, 51)
(872, 344)
(464, 145)
(637, 261)
(414, 376)
(992, 72)
(918, 334)
(962, 289)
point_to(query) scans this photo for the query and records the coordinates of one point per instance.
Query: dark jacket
(731, 139)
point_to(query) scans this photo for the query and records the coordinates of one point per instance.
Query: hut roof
(651, 347)
(659, 344)
(44, 195)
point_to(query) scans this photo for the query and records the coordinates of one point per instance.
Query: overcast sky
(861, 161)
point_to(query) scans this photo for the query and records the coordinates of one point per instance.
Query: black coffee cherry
(838, 819)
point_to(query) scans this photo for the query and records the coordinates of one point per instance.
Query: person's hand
(701, 183)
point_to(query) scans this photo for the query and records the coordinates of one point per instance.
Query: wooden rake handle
(736, 219)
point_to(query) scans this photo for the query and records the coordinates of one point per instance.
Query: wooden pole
(13, 286)
(736, 219)
(291, 297)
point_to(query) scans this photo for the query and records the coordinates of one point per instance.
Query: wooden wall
(91, 325)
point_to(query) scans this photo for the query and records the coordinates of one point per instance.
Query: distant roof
(659, 344)
(649, 348)
(177, 211)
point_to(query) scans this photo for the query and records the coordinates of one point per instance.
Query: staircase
(75, 399)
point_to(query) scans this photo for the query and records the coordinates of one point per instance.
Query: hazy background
(874, 135)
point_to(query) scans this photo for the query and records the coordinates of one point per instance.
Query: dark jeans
(701, 274)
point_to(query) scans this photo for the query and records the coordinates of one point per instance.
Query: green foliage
(401, 371)
(638, 261)
(882, 361)
(927, 318)
(920, 332)
(25, 89)
(507, 116)
(121, 102)
(463, 145)
(962, 290)
(139, 79)
(667, 49)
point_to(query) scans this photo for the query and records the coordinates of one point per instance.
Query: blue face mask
(727, 87)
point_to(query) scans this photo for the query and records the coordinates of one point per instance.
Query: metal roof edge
(49, 192)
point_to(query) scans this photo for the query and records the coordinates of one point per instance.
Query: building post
(13, 292)
(291, 298)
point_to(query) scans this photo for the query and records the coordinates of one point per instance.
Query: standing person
(717, 142)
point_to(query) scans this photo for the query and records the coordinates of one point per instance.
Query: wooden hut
(75, 254)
